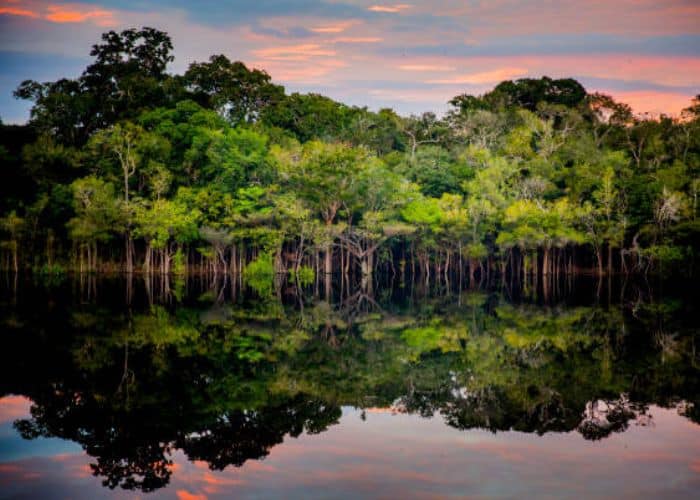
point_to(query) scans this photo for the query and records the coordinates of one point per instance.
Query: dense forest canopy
(129, 167)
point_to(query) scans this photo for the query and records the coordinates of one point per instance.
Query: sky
(411, 56)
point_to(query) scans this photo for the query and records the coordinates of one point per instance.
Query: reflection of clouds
(413, 457)
(408, 456)
(186, 495)
(13, 407)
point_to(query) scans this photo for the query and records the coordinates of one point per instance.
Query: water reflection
(219, 377)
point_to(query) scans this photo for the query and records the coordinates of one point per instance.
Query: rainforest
(128, 168)
(213, 287)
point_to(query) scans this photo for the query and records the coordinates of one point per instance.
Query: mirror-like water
(194, 390)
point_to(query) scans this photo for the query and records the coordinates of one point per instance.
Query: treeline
(218, 170)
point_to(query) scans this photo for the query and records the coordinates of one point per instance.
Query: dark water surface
(199, 390)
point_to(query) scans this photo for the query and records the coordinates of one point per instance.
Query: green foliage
(162, 221)
(221, 157)
(260, 274)
(305, 275)
(98, 211)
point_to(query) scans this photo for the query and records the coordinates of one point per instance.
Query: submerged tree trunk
(129, 253)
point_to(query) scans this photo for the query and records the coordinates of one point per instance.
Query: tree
(12, 225)
(97, 213)
(423, 129)
(606, 115)
(529, 92)
(310, 116)
(164, 224)
(130, 146)
(238, 93)
(325, 176)
(126, 77)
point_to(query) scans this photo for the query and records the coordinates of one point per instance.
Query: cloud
(485, 77)
(418, 50)
(332, 28)
(186, 495)
(59, 13)
(357, 39)
(652, 102)
(79, 14)
(17, 11)
(425, 67)
(392, 9)
(13, 407)
(301, 71)
(294, 52)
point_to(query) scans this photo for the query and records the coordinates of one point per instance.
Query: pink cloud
(301, 70)
(186, 495)
(293, 52)
(425, 67)
(635, 17)
(393, 9)
(17, 11)
(333, 28)
(357, 39)
(14, 407)
(653, 102)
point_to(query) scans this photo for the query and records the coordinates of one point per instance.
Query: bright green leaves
(259, 274)
(98, 211)
(162, 221)
(424, 212)
(529, 225)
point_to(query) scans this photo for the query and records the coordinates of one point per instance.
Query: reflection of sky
(413, 56)
(404, 456)
(13, 447)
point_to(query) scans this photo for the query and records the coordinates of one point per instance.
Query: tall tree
(238, 93)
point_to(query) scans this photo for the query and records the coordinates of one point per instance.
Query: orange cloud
(60, 13)
(393, 9)
(186, 495)
(485, 77)
(78, 14)
(15, 11)
(293, 52)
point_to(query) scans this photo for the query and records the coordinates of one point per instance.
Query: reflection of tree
(227, 384)
(129, 452)
(603, 417)
(238, 436)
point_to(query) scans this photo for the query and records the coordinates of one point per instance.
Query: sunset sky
(411, 56)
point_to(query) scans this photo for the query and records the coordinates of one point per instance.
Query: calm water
(198, 390)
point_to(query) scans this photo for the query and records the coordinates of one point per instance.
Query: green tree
(238, 93)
